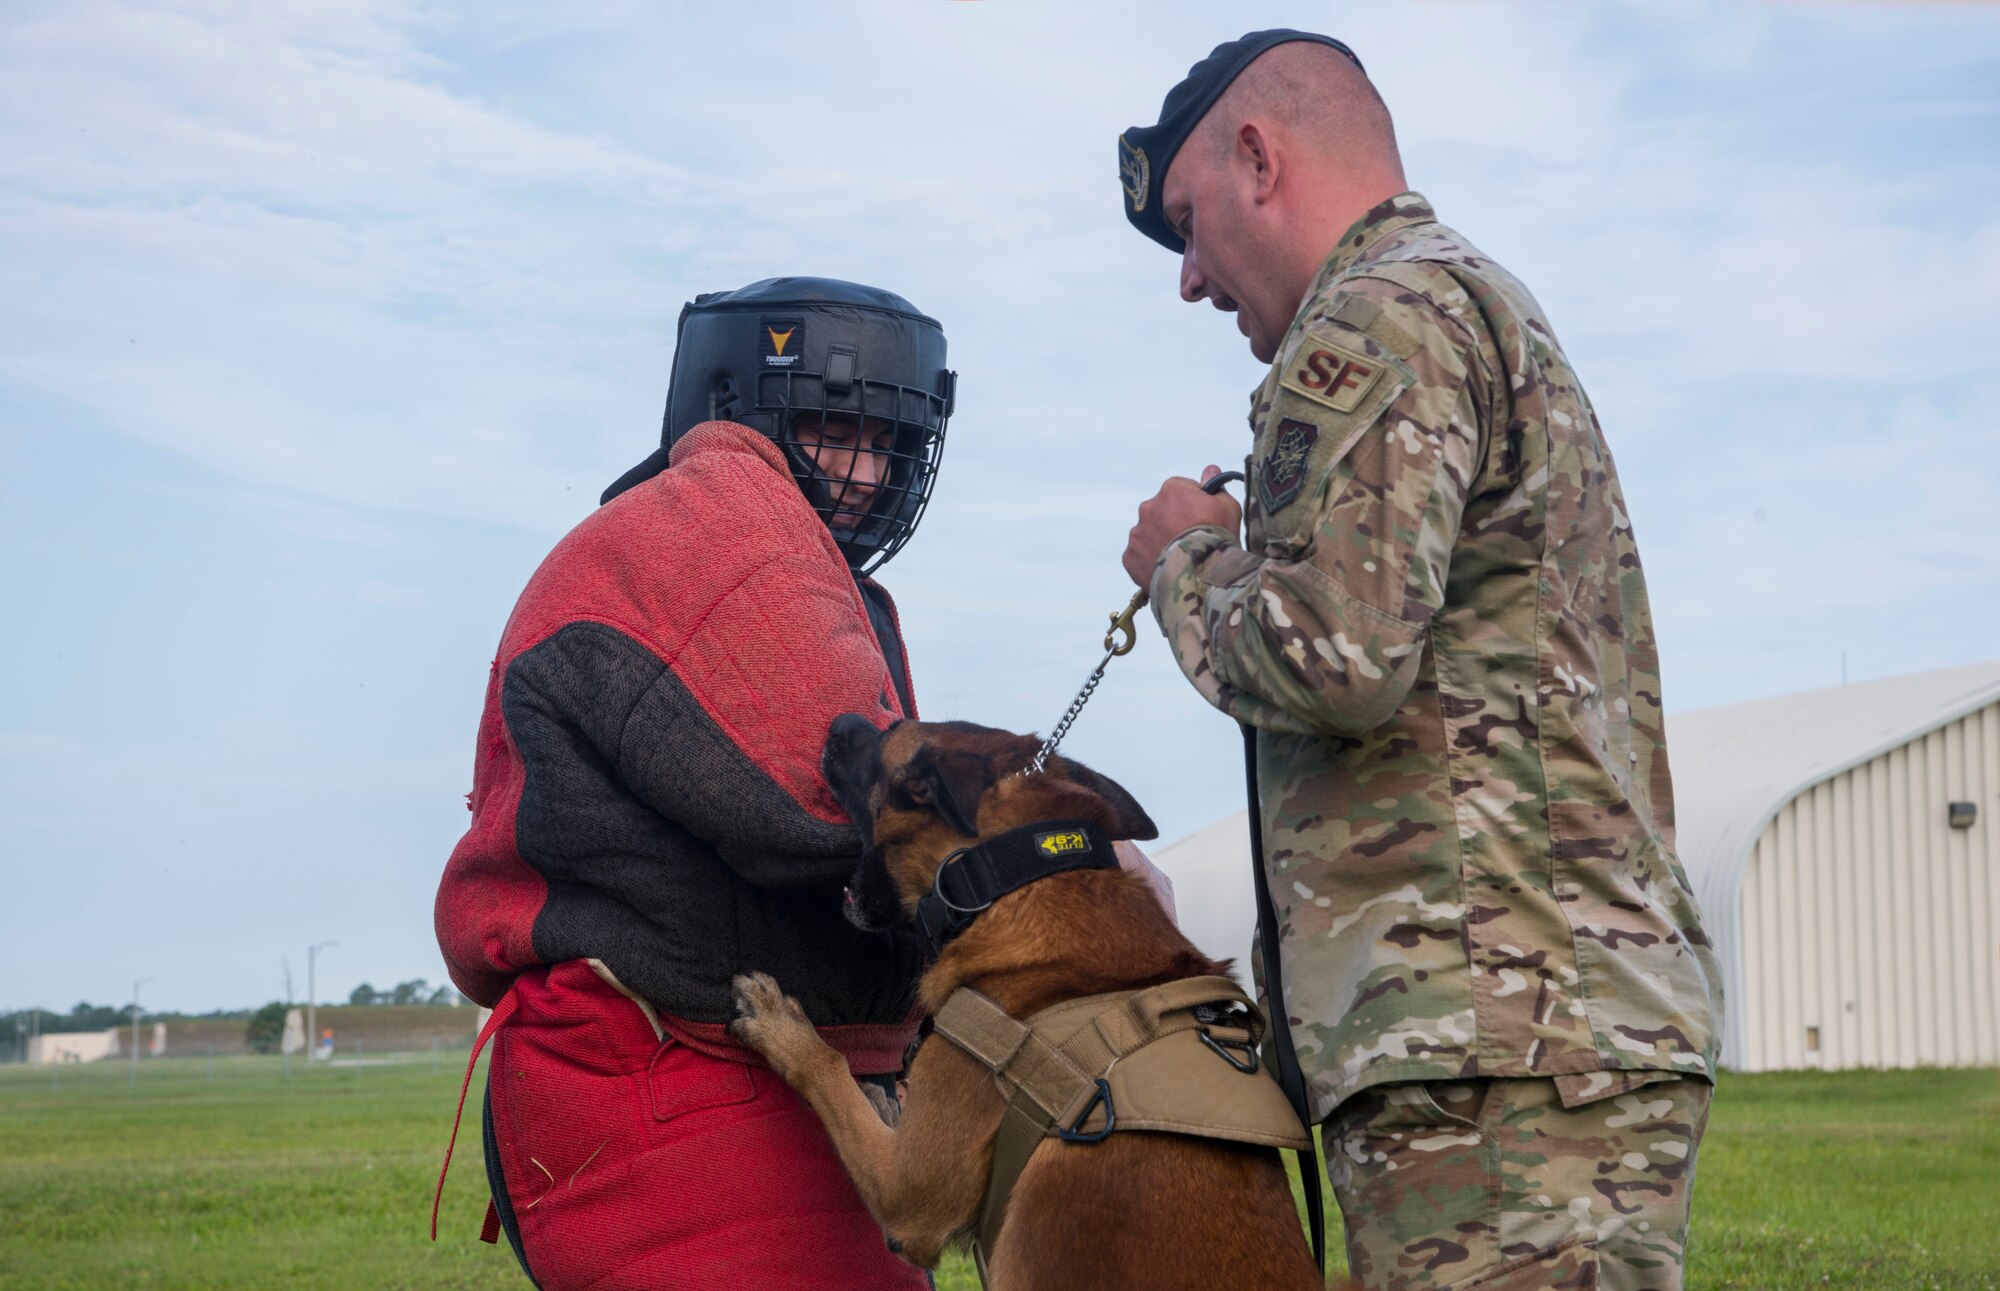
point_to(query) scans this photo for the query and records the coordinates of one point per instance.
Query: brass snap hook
(1122, 623)
(1123, 635)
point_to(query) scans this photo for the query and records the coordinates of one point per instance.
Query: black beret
(1146, 152)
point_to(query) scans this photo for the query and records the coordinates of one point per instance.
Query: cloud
(1867, 533)
(389, 272)
(357, 259)
(285, 252)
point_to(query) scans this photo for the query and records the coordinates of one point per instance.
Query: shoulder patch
(1332, 384)
(1332, 370)
(1281, 473)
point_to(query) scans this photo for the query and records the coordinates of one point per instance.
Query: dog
(1141, 1210)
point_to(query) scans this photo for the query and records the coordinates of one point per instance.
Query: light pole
(312, 997)
(135, 1029)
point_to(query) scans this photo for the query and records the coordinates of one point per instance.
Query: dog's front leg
(923, 1181)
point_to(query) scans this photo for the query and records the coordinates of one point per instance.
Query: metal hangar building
(1844, 846)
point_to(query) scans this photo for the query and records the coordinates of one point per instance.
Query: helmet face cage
(865, 453)
(851, 383)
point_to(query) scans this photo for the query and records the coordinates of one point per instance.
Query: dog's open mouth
(869, 901)
(850, 910)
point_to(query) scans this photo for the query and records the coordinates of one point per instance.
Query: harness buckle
(1071, 1133)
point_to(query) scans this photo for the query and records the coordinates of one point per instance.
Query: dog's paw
(765, 1015)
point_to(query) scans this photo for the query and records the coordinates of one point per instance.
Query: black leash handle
(1291, 1079)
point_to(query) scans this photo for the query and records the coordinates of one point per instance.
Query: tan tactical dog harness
(1177, 1058)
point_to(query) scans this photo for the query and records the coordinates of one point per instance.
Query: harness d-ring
(1072, 1134)
(1227, 1050)
(937, 886)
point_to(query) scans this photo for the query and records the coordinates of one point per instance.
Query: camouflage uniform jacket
(1439, 628)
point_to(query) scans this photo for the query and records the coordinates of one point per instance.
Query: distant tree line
(414, 991)
(97, 1017)
(265, 1026)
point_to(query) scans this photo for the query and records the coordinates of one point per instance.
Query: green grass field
(250, 1179)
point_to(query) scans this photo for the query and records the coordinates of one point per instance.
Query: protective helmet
(810, 362)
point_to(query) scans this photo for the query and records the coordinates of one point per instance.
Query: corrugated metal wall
(1871, 928)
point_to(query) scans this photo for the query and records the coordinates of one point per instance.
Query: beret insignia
(1134, 173)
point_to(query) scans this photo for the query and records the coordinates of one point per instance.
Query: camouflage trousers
(1496, 1185)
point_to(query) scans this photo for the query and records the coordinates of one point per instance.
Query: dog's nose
(849, 727)
(849, 742)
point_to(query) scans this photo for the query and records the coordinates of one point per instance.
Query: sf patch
(1282, 473)
(781, 340)
(1336, 372)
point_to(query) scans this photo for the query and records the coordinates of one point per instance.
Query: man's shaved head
(1297, 149)
(1318, 97)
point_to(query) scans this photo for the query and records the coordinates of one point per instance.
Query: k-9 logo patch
(1282, 473)
(1063, 843)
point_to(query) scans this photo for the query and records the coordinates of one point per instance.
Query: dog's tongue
(847, 897)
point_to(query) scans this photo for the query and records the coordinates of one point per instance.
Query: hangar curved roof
(1734, 766)
(1737, 765)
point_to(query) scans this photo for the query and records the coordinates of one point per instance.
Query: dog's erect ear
(959, 780)
(1129, 819)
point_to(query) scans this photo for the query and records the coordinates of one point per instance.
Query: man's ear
(1253, 145)
(1129, 819)
(960, 780)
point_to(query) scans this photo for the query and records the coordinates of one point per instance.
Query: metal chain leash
(1113, 647)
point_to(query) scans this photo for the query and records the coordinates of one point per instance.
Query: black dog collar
(973, 878)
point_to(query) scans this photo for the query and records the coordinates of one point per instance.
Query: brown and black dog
(1140, 1210)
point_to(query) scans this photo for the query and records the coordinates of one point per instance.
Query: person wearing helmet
(649, 817)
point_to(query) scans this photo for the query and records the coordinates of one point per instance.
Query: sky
(323, 321)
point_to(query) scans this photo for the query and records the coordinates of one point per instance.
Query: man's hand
(1179, 506)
